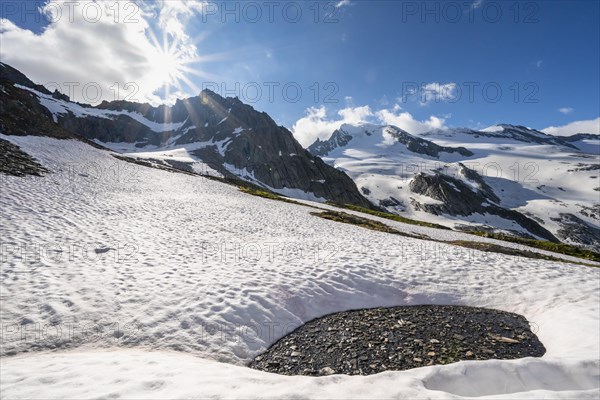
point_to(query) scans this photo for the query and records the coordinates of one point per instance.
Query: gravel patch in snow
(370, 341)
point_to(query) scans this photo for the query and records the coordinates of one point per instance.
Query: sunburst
(174, 61)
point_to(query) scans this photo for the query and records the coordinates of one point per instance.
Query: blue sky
(417, 64)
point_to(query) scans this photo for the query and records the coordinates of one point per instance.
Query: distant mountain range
(506, 178)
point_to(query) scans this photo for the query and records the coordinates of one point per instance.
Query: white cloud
(477, 3)
(589, 126)
(383, 101)
(316, 124)
(173, 13)
(354, 115)
(566, 110)
(404, 120)
(435, 92)
(342, 3)
(98, 44)
(539, 63)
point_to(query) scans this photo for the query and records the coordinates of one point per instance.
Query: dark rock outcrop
(581, 136)
(484, 188)
(114, 130)
(426, 147)
(252, 144)
(14, 161)
(21, 114)
(574, 229)
(460, 199)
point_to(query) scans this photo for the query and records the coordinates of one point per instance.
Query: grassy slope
(561, 248)
(390, 216)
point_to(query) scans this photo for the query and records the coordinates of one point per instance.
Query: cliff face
(226, 134)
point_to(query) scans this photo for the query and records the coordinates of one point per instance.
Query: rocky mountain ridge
(344, 135)
(229, 136)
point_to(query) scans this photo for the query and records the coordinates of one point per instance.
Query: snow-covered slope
(133, 259)
(586, 142)
(60, 107)
(549, 181)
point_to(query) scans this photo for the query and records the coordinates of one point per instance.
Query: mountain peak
(374, 138)
(208, 93)
(231, 137)
(211, 93)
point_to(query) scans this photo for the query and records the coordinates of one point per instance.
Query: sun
(172, 62)
(168, 62)
(169, 66)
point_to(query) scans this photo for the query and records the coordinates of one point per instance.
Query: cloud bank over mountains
(589, 126)
(319, 123)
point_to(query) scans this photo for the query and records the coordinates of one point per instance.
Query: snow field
(166, 285)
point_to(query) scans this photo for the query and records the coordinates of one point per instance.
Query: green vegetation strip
(389, 216)
(561, 248)
(485, 247)
(365, 223)
(267, 195)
